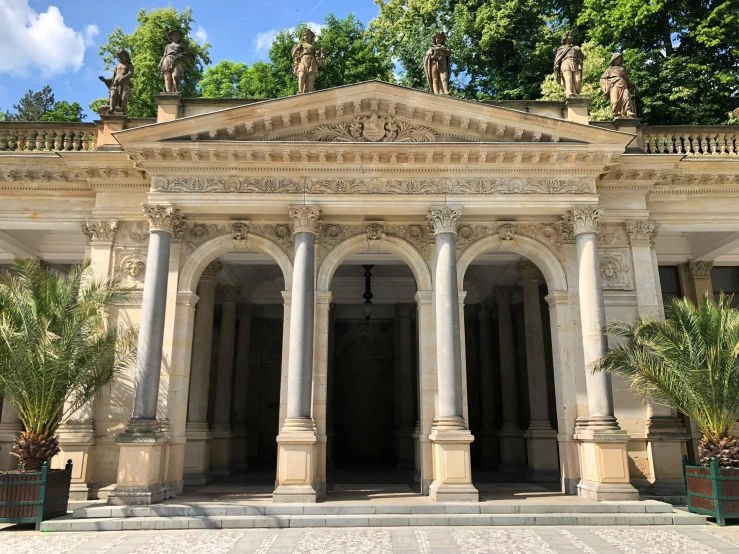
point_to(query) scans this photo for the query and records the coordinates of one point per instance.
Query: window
(669, 280)
(726, 280)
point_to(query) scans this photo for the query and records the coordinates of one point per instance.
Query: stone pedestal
(666, 445)
(628, 125)
(296, 465)
(77, 443)
(111, 124)
(577, 109)
(604, 466)
(168, 106)
(452, 467)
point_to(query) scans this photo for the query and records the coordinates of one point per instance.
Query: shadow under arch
(532, 249)
(210, 250)
(393, 245)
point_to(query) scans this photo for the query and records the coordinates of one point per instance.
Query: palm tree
(687, 361)
(58, 348)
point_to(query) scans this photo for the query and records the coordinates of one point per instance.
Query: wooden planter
(33, 497)
(713, 490)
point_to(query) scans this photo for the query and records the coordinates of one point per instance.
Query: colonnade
(301, 456)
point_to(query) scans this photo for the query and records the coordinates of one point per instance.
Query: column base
(666, 445)
(77, 443)
(141, 464)
(197, 455)
(296, 462)
(452, 467)
(543, 456)
(604, 466)
(512, 451)
(220, 450)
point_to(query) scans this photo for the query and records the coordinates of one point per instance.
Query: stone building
(501, 237)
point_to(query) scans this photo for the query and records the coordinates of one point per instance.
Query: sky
(57, 42)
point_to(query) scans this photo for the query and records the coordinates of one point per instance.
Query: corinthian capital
(165, 218)
(641, 232)
(585, 219)
(443, 220)
(503, 294)
(230, 293)
(99, 230)
(306, 219)
(212, 270)
(528, 270)
(700, 268)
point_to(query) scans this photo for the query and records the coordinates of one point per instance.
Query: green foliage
(58, 347)
(352, 56)
(96, 104)
(687, 361)
(596, 62)
(146, 45)
(64, 111)
(683, 56)
(33, 105)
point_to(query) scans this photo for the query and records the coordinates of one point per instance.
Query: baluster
(662, 141)
(671, 138)
(67, 140)
(21, 142)
(85, 141)
(698, 149)
(76, 142)
(49, 140)
(58, 140)
(713, 142)
(94, 141)
(730, 140)
(3, 140)
(39, 140)
(722, 144)
(30, 142)
(680, 141)
(11, 139)
(646, 144)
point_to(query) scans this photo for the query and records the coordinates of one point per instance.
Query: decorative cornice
(212, 270)
(230, 293)
(503, 294)
(585, 219)
(443, 220)
(165, 218)
(239, 230)
(406, 310)
(246, 310)
(700, 268)
(641, 232)
(100, 230)
(306, 219)
(420, 185)
(528, 270)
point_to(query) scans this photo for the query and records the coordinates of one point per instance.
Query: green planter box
(712, 491)
(33, 497)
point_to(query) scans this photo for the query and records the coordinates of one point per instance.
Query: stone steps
(220, 516)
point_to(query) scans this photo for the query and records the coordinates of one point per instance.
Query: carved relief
(165, 218)
(506, 231)
(132, 231)
(199, 233)
(700, 268)
(100, 230)
(239, 230)
(467, 234)
(611, 234)
(415, 234)
(614, 269)
(306, 219)
(335, 186)
(567, 228)
(374, 128)
(585, 219)
(546, 233)
(443, 220)
(130, 266)
(642, 232)
(280, 233)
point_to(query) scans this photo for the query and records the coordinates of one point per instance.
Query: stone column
(241, 388)
(197, 447)
(604, 467)
(541, 438)
(488, 436)
(512, 444)
(700, 280)
(406, 457)
(141, 456)
(10, 426)
(449, 434)
(330, 386)
(220, 443)
(666, 434)
(296, 455)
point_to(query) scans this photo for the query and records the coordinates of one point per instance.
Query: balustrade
(39, 136)
(692, 140)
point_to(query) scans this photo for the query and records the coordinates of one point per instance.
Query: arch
(393, 245)
(210, 250)
(532, 249)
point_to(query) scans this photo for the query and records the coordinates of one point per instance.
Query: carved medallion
(374, 128)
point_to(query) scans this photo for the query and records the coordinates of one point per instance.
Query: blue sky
(57, 42)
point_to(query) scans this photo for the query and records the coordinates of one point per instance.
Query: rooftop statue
(119, 85)
(172, 64)
(306, 61)
(568, 61)
(618, 88)
(437, 65)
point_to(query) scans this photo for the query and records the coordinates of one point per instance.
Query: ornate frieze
(642, 232)
(374, 128)
(615, 271)
(99, 230)
(165, 218)
(306, 219)
(443, 220)
(700, 268)
(513, 185)
(585, 219)
(611, 234)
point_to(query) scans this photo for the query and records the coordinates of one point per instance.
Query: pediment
(371, 112)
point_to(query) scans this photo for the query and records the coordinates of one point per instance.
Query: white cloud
(201, 35)
(263, 41)
(32, 40)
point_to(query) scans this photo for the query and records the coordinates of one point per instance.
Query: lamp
(368, 308)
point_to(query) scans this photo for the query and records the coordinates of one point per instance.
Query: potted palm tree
(58, 348)
(690, 362)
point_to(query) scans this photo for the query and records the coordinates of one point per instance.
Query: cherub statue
(306, 61)
(618, 88)
(568, 62)
(437, 65)
(119, 85)
(172, 64)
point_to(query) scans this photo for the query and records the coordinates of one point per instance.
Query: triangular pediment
(372, 112)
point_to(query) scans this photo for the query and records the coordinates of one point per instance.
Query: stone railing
(25, 136)
(718, 140)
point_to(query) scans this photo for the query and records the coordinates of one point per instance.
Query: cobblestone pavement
(423, 540)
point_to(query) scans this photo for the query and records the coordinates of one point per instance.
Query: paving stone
(307, 521)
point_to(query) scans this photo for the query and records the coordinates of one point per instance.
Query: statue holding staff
(306, 61)
(618, 88)
(172, 64)
(568, 61)
(437, 65)
(119, 86)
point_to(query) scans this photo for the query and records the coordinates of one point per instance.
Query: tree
(146, 45)
(683, 56)
(57, 348)
(33, 105)
(98, 103)
(222, 80)
(690, 362)
(64, 111)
